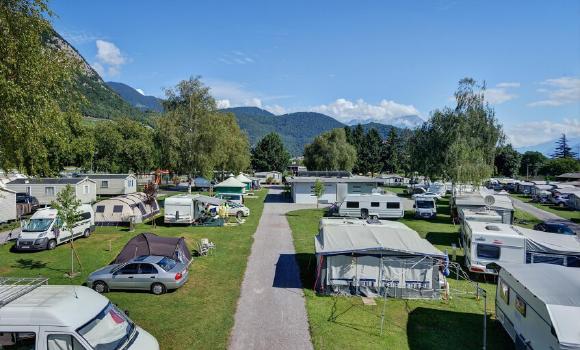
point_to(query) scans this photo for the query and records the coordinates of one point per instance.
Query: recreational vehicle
(425, 207)
(34, 315)
(7, 205)
(375, 205)
(539, 306)
(488, 244)
(45, 229)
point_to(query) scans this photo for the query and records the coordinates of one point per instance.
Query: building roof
(49, 181)
(557, 287)
(478, 199)
(324, 173)
(353, 179)
(357, 236)
(108, 176)
(575, 176)
(230, 182)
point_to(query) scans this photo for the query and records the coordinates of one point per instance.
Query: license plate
(25, 247)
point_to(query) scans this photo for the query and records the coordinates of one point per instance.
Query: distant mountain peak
(136, 98)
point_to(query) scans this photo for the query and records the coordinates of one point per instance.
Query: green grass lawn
(344, 322)
(395, 189)
(566, 213)
(200, 315)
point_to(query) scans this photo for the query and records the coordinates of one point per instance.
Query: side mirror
(414, 206)
(126, 312)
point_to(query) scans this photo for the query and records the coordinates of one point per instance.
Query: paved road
(271, 312)
(543, 215)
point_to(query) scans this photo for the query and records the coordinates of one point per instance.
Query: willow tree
(330, 151)
(459, 144)
(194, 138)
(38, 104)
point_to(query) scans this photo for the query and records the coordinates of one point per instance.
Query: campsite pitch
(199, 315)
(346, 322)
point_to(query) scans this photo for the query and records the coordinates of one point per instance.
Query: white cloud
(276, 109)
(536, 132)
(500, 93)
(236, 57)
(140, 91)
(78, 37)
(346, 111)
(559, 91)
(221, 104)
(109, 58)
(508, 85)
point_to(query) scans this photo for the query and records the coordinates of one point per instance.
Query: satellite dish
(489, 200)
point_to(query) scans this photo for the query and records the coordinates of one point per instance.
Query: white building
(275, 176)
(114, 184)
(46, 189)
(335, 188)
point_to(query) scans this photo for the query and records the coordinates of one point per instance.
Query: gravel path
(271, 312)
(543, 215)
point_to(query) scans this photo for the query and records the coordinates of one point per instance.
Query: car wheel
(374, 217)
(87, 233)
(51, 244)
(100, 287)
(239, 215)
(561, 205)
(158, 288)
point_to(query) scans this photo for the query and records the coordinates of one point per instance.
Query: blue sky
(363, 59)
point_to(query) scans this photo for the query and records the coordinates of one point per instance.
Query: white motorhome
(34, 315)
(45, 229)
(539, 305)
(375, 205)
(425, 207)
(486, 243)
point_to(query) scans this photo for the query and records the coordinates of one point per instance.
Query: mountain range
(135, 98)
(547, 148)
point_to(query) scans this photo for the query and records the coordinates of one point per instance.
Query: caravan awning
(387, 236)
(551, 243)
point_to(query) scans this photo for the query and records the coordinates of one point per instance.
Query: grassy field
(572, 215)
(200, 315)
(344, 322)
(395, 189)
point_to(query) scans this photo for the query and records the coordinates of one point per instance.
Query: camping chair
(206, 247)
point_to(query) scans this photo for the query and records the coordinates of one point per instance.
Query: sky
(353, 60)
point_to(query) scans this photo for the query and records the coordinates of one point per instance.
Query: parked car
(433, 195)
(554, 227)
(154, 273)
(560, 200)
(26, 204)
(238, 210)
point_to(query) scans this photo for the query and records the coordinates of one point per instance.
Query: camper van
(34, 315)
(375, 205)
(45, 230)
(486, 243)
(425, 207)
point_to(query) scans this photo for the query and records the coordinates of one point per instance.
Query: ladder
(12, 288)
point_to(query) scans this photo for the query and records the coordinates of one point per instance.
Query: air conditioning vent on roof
(492, 228)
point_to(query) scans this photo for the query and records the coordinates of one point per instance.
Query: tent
(230, 185)
(374, 258)
(245, 180)
(151, 244)
(539, 305)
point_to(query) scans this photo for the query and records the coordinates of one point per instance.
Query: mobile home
(539, 306)
(7, 205)
(275, 177)
(46, 189)
(114, 184)
(375, 205)
(336, 188)
(371, 259)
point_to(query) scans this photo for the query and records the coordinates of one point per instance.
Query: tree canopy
(531, 162)
(507, 161)
(270, 154)
(330, 151)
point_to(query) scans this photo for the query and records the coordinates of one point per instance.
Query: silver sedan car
(157, 274)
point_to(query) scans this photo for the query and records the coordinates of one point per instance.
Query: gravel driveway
(271, 312)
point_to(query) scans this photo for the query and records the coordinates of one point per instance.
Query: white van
(425, 207)
(37, 316)
(45, 230)
(375, 205)
(486, 243)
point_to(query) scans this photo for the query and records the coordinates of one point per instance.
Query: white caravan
(425, 207)
(34, 315)
(486, 243)
(375, 205)
(45, 229)
(539, 305)
(180, 209)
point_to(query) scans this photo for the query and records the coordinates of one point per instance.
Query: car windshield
(425, 204)
(37, 225)
(110, 330)
(167, 264)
